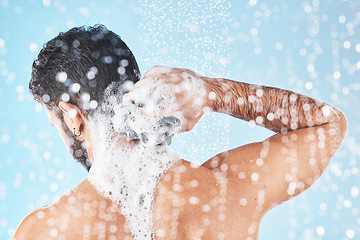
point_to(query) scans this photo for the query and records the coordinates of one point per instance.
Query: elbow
(342, 124)
(338, 126)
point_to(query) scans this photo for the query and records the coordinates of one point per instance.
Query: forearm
(273, 108)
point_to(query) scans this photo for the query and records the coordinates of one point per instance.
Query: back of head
(76, 67)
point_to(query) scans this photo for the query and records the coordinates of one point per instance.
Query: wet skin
(225, 198)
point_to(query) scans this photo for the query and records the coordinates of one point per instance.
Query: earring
(77, 134)
(63, 109)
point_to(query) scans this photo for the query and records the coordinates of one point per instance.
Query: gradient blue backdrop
(307, 46)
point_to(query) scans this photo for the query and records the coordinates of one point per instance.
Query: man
(228, 195)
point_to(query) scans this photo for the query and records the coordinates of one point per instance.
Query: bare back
(191, 203)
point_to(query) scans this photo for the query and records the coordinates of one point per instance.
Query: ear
(72, 116)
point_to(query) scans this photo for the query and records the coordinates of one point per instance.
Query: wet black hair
(77, 66)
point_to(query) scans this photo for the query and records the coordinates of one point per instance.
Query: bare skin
(228, 195)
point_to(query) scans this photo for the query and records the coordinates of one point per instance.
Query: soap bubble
(61, 76)
(350, 233)
(33, 47)
(46, 3)
(84, 11)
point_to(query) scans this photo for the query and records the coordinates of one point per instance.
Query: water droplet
(75, 88)
(46, 3)
(350, 233)
(354, 191)
(342, 19)
(61, 76)
(84, 11)
(194, 200)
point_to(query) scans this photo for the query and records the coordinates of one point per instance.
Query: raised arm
(308, 134)
(308, 131)
(275, 109)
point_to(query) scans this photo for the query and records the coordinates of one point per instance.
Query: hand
(176, 92)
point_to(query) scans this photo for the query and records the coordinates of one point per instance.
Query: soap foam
(155, 115)
(128, 172)
(148, 119)
(128, 176)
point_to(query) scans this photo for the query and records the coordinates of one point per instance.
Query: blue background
(311, 47)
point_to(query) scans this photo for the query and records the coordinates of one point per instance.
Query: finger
(130, 96)
(173, 78)
(127, 98)
(150, 80)
(158, 70)
(137, 94)
(144, 81)
(152, 70)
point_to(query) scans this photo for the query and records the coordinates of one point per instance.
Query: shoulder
(51, 222)
(185, 175)
(46, 222)
(186, 186)
(33, 226)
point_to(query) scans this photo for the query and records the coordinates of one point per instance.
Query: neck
(127, 173)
